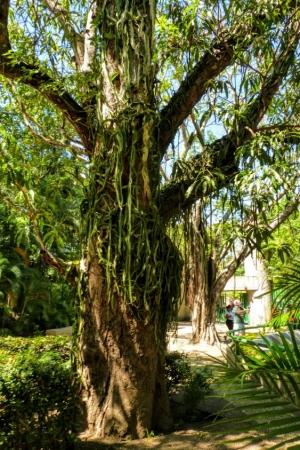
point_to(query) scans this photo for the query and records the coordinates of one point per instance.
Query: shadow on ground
(198, 435)
(195, 435)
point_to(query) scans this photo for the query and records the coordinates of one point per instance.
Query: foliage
(283, 248)
(44, 302)
(192, 380)
(33, 297)
(38, 210)
(5, 332)
(197, 387)
(177, 368)
(10, 346)
(286, 301)
(38, 394)
(265, 385)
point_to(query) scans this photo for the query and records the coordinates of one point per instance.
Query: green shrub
(5, 332)
(38, 402)
(194, 381)
(197, 387)
(178, 370)
(40, 344)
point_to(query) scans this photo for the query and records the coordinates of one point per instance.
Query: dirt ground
(196, 435)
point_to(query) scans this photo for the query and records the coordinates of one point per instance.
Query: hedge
(38, 401)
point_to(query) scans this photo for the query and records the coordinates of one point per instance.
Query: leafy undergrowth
(12, 346)
(263, 387)
(187, 384)
(38, 401)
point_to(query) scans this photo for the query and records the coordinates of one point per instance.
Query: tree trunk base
(208, 336)
(123, 368)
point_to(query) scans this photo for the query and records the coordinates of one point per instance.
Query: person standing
(231, 303)
(239, 317)
(229, 315)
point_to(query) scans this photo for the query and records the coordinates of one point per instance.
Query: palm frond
(263, 384)
(287, 290)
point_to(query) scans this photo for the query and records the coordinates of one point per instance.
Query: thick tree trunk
(204, 320)
(203, 298)
(131, 285)
(122, 366)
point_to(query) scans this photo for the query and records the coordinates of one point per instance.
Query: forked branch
(219, 157)
(220, 55)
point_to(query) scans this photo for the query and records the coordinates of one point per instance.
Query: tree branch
(43, 135)
(219, 157)
(64, 269)
(231, 267)
(247, 224)
(14, 206)
(31, 75)
(47, 257)
(292, 135)
(83, 44)
(89, 38)
(75, 39)
(198, 130)
(212, 63)
(52, 261)
(163, 173)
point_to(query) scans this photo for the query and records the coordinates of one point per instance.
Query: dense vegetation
(38, 394)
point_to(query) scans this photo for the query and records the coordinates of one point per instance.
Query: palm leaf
(265, 386)
(287, 287)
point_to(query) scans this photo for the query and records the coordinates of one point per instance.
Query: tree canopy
(239, 75)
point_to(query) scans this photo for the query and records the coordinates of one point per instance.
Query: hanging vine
(120, 218)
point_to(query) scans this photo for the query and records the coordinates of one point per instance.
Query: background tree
(98, 81)
(226, 226)
(34, 296)
(217, 250)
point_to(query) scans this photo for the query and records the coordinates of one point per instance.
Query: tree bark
(122, 366)
(126, 298)
(132, 280)
(202, 297)
(204, 320)
(129, 295)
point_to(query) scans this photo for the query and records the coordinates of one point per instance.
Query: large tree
(101, 80)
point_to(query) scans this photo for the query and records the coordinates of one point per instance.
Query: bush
(197, 387)
(193, 381)
(38, 402)
(4, 332)
(178, 369)
(11, 346)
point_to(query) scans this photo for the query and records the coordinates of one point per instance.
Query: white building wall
(250, 265)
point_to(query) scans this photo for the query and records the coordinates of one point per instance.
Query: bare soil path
(194, 435)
